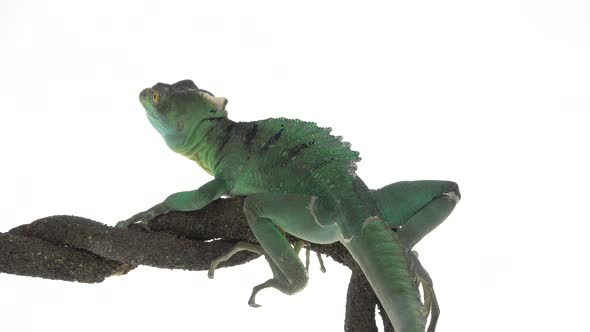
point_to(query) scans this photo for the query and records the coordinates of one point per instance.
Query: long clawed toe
(141, 219)
(430, 303)
(125, 223)
(258, 288)
(307, 258)
(280, 284)
(322, 266)
(434, 308)
(237, 248)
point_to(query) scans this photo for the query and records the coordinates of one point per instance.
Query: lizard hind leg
(240, 246)
(415, 208)
(299, 215)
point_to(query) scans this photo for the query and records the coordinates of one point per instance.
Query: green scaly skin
(299, 178)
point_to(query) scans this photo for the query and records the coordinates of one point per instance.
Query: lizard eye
(156, 97)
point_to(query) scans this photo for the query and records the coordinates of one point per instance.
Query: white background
(490, 94)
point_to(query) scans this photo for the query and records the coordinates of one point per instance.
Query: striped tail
(380, 255)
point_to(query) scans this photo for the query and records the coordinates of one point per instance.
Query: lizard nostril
(143, 93)
(452, 190)
(456, 191)
(452, 196)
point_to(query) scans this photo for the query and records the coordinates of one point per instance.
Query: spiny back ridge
(305, 144)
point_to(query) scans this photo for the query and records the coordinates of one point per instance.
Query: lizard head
(175, 109)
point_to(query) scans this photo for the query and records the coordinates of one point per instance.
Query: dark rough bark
(360, 308)
(77, 249)
(33, 257)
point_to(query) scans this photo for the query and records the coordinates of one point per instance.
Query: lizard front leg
(181, 201)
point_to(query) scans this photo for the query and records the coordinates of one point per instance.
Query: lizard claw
(253, 304)
(143, 218)
(322, 267)
(321, 261)
(237, 248)
(258, 288)
(138, 219)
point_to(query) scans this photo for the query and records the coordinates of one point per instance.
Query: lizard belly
(300, 205)
(256, 177)
(306, 229)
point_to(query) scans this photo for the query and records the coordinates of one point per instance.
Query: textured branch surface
(77, 249)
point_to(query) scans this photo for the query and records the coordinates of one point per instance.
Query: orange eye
(156, 97)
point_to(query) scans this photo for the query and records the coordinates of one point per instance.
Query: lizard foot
(430, 303)
(284, 286)
(322, 267)
(258, 288)
(143, 218)
(136, 219)
(307, 255)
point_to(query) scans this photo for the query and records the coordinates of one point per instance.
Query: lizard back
(294, 153)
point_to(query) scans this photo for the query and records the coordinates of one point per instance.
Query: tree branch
(78, 249)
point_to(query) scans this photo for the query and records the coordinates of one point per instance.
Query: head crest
(217, 102)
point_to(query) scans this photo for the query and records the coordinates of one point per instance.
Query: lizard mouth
(150, 115)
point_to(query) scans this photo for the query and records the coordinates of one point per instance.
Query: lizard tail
(381, 257)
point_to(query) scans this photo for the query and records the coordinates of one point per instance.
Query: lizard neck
(204, 141)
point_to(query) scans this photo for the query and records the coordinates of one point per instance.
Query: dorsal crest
(292, 141)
